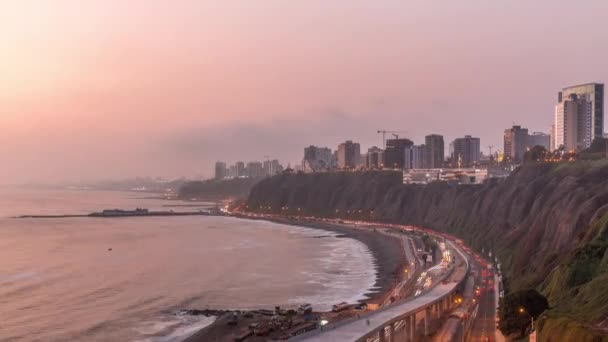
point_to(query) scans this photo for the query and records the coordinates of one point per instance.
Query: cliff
(217, 189)
(547, 223)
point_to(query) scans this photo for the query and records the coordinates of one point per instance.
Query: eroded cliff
(547, 223)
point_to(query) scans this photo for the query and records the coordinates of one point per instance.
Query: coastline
(389, 260)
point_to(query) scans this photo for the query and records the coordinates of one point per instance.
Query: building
(232, 171)
(239, 168)
(552, 138)
(221, 171)
(394, 155)
(590, 120)
(454, 176)
(415, 157)
(375, 158)
(539, 139)
(515, 143)
(316, 159)
(434, 152)
(349, 155)
(570, 130)
(466, 151)
(272, 167)
(255, 170)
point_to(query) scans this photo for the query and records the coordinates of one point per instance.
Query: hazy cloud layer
(106, 89)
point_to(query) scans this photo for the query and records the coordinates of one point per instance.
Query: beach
(389, 260)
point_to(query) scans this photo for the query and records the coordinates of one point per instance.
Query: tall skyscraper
(466, 151)
(515, 143)
(570, 127)
(435, 151)
(349, 155)
(221, 171)
(394, 155)
(589, 120)
(316, 158)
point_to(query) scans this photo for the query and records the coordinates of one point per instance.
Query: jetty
(115, 213)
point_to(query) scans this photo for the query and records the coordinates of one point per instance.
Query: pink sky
(111, 88)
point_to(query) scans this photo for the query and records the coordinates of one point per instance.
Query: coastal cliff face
(217, 189)
(547, 223)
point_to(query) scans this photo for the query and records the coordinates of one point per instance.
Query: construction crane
(384, 132)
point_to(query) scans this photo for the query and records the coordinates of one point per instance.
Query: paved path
(411, 267)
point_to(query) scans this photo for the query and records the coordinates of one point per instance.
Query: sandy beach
(386, 250)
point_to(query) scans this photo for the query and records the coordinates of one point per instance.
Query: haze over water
(59, 281)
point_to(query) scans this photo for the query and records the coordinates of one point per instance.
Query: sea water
(127, 279)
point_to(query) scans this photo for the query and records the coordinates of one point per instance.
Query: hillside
(546, 222)
(217, 189)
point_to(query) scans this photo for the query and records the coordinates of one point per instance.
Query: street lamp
(522, 310)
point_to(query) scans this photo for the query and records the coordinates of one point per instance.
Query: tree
(536, 153)
(517, 309)
(599, 145)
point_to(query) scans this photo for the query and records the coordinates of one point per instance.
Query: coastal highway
(484, 325)
(354, 330)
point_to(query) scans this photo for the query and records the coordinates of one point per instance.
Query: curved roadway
(360, 328)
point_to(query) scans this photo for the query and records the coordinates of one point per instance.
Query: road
(484, 325)
(356, 329)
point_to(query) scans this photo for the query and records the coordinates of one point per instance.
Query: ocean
(127, 279)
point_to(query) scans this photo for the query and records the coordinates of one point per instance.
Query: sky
(104, 89)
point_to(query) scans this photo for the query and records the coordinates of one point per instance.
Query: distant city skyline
(113, 89)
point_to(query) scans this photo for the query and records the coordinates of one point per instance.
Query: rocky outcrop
(535, 221)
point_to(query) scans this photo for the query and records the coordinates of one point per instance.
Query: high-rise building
(539, 139)
(515, 143)
(466, 151)
(232, 171)
(239, 169)
(435, 151)
(394, 155)
(349, 155)
(221, 171)
(589, 114)
(415, 157)
(272, 167)
(375, 158)
(316, 158)
(569, 124)
(255, 169)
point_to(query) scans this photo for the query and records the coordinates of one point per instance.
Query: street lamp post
(521, 311)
